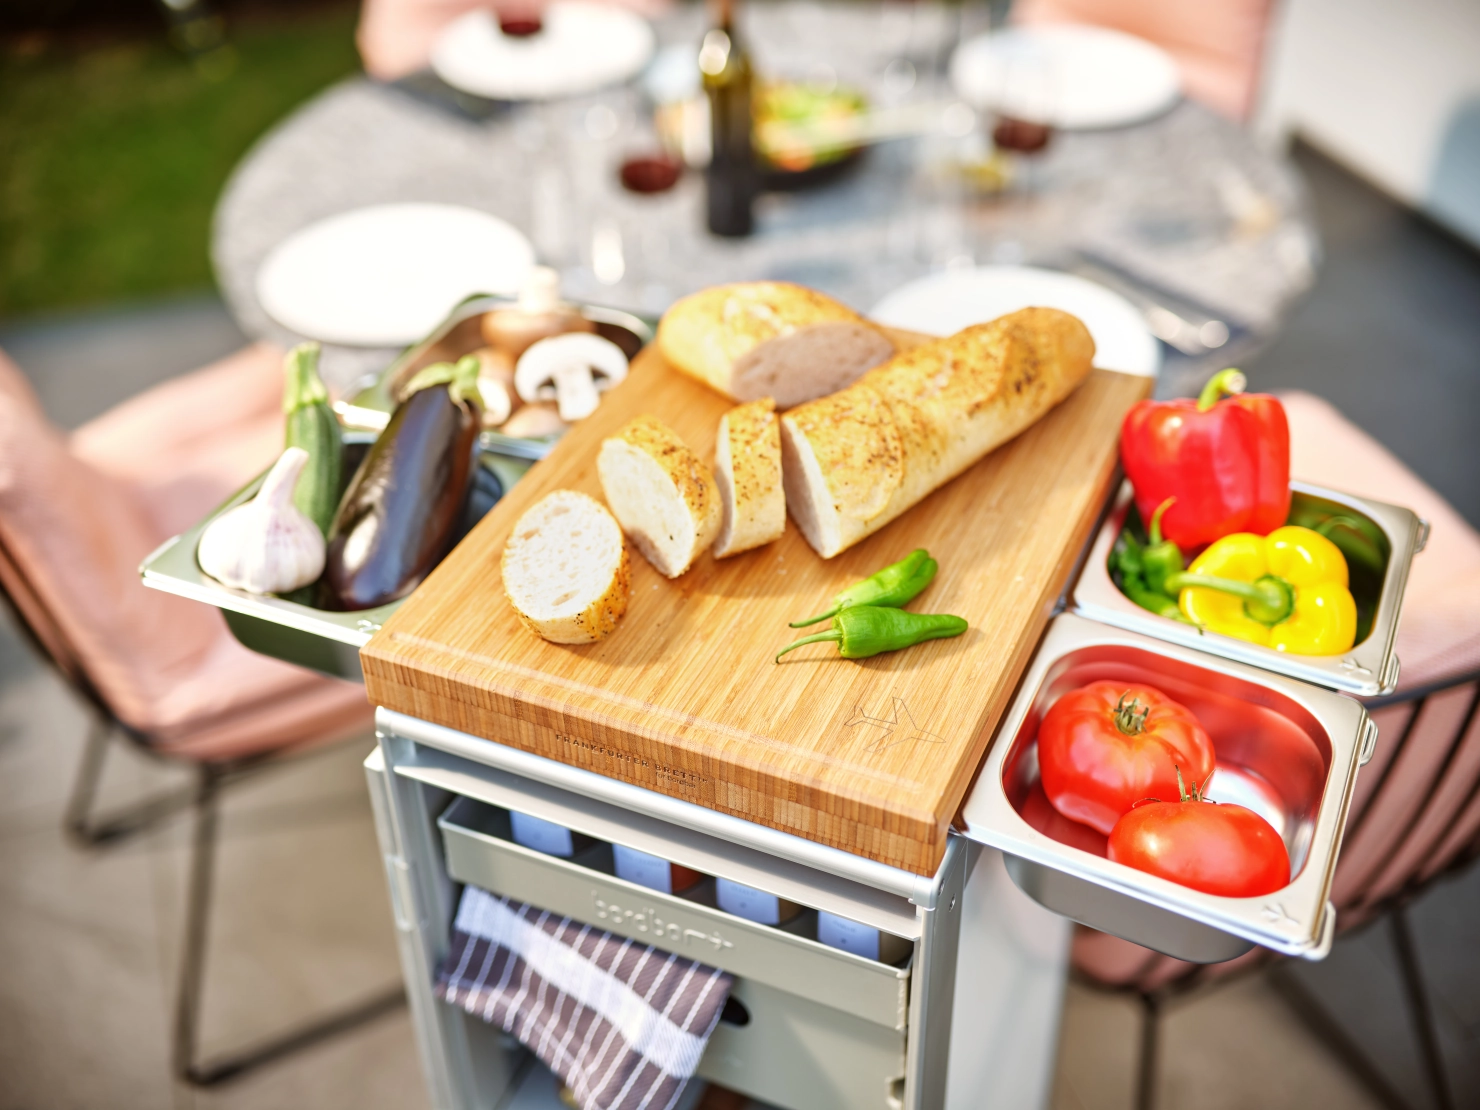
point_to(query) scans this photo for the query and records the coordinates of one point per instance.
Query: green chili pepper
(891, 587)
(1160, 558)
(1129, 570)
(864, 630)
(1153, 600)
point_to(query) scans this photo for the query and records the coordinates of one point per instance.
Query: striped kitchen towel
(622, 1023)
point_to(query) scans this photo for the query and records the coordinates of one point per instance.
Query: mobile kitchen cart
(836, 785)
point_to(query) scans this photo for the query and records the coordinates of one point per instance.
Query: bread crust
(909, 426)
(721, 336)
(747, 470)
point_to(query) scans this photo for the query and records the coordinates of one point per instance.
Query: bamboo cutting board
(872, 756)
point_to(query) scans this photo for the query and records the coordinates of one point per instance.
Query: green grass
(112, 158)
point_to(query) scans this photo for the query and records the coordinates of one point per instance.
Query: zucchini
(312, 425)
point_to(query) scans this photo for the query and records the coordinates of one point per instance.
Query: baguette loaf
(566, 569)
(770, 339)
(854, 461)
(747, 468)
(663, 496)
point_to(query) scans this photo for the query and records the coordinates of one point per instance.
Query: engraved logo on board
(897, 728)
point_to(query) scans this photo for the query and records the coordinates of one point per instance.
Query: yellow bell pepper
(1287, 591)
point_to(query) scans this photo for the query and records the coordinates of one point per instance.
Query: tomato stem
(1193, 795)
(1130, 718)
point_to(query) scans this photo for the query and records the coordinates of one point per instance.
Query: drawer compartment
(796, 1054)
(479, 850)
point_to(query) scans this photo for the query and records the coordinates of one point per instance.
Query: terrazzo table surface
(1188, 202)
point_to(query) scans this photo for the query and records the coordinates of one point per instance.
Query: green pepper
(864, 630)
(895, 585)
(1132, 565)
(1160, 558)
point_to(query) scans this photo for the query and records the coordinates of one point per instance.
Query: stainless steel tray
(1369, 669)
(374, 397)
(330, 641)
(1286, 749)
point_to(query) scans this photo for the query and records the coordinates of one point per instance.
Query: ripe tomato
(1216, 848)
(1106, 746)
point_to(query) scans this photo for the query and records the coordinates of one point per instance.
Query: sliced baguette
(663, 496)
(566, 570)
(854, 461)
(747, 468)
(770, 339)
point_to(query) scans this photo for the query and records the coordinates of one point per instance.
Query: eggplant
(403, 507)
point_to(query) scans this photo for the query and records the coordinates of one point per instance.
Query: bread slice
(566, 570)
(747, 468)
(854, 461)
(770, 339)
(664, 497)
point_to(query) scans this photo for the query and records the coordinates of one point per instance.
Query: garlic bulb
(266, 545)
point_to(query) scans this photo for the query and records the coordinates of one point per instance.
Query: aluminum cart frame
(418, 767)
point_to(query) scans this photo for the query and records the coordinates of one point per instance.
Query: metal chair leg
(1419, 1009)
(79, 821)
(197, 921)
(206, 1073)
(1146, 1067)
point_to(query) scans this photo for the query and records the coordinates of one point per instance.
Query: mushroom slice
(570, 370)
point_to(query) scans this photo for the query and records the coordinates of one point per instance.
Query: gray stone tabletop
(1187, 204)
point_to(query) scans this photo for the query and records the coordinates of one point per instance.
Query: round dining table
(1186, 214)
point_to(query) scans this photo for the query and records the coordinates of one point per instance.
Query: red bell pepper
(1225, 457)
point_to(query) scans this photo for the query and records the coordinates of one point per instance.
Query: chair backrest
(72, 540)
(1219, 48)
(395, 37)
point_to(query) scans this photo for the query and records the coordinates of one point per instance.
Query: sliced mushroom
(571, 370)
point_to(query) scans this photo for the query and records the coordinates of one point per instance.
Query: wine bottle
(731, 179)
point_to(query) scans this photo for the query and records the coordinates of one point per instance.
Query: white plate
(947, 302)
(582, 47)
(387, 275)
(1077, 77)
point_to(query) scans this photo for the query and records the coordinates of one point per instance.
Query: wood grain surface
(872, 756)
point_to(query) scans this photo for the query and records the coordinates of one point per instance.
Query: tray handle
(1369, 743)
(1328, 936)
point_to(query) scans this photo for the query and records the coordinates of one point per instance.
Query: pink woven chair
(76, 518)
(1415, 815)
(1218, 47)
